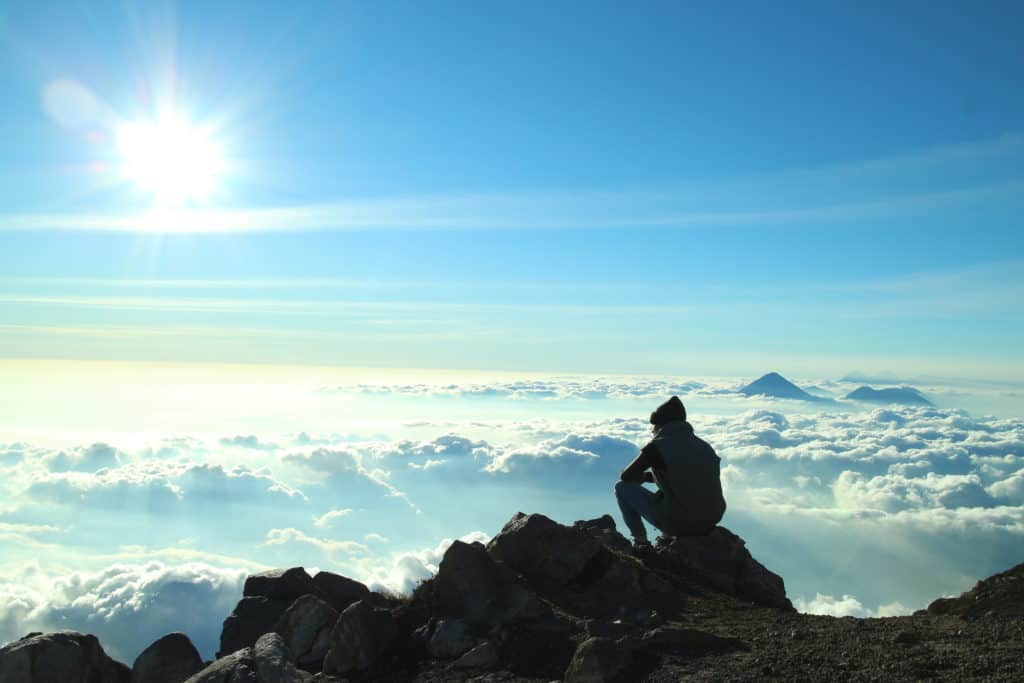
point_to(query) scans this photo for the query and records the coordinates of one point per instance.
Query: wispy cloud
(840, 192)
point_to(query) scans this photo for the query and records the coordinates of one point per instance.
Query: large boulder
(253, 616)
(598, 660)
(339, 591)
(268, 661)
(470, 584)
(170, 659)
(721, 560)
(449, 638)
(60, 657)
(542, 549)
(305, 628)
(280, 584)
(361, 635)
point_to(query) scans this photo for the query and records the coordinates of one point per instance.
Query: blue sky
(819, 180)
(352, 280)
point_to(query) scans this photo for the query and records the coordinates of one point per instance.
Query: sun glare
(173, 160)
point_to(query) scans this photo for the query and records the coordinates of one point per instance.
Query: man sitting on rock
(689, 500)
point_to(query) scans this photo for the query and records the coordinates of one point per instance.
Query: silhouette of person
(686, 470)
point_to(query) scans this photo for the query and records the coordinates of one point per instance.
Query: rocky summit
(542, 602)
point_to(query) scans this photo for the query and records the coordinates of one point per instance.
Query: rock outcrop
(721, 560)
(998, 595)
(171, 659)
(268, 661)
(267, 597)
(541, 600)
(59, 657)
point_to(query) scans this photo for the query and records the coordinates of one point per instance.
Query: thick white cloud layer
(825, 497)
(128, 606)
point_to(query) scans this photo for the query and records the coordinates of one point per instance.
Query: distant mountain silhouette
(903, 395)
(776, 386)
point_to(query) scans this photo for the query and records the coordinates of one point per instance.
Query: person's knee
(620, 488)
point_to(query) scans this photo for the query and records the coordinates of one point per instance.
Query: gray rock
(361, 635)
(280, 584)
(721, 559)
(604, 531)
(339, 591)
(450, 638)
(237, 667)
(305, 628)
(483, 656)
(60, 657)
(542, 549)
(268, 661)
(253, 616)
(470, 584)
(170, 659)
(598, 660)
(273, 661)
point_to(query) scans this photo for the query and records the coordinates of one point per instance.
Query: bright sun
(176, 162)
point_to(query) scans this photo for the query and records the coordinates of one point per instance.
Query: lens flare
(173, 160)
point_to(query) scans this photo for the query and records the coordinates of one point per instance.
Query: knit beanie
(668, 411)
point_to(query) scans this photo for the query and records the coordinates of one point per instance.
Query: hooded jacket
(687, 471)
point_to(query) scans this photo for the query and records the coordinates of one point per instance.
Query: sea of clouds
(865, 511)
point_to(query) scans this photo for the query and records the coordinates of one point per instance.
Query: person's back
(686, 469)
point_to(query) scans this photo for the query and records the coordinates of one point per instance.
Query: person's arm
(637, 471)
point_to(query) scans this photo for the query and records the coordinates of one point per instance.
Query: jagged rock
(1001, 594)
(253, 616)
(483, 656)
(280, 584)
(598, 660)
(542, 549)
(305, 628)
(721, 559)
(170, 659)
(268, 661)
(363, 632)
(339, 591)
(470, 584)
(603, 529)
(59, 657)
(450, 638)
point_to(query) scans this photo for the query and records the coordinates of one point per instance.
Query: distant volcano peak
(776, 386)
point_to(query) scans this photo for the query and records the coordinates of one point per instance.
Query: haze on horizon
(353, 279)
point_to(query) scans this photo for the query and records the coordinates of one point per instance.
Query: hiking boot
(664, 540)
(642, 548)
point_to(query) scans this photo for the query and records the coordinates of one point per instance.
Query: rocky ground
(546, 602)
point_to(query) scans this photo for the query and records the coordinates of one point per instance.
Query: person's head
(669, 411)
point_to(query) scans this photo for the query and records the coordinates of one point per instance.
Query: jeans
(636, 503)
